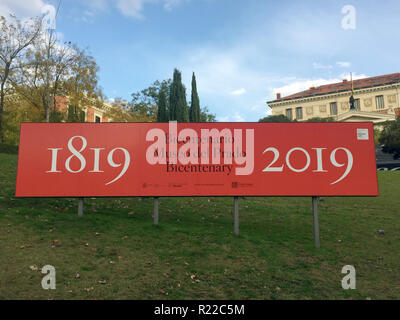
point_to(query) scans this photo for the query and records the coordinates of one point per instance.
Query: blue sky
(242, 52)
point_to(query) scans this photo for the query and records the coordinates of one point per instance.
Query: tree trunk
(1, 112)
(2, 95)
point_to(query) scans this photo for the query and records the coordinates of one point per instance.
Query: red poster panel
(196, 159)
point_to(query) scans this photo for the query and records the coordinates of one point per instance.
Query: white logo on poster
(362, 134)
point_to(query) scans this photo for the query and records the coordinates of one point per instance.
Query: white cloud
(94, 7)
(22, 8)
(321, 66)
(170, 4)
(305, 84)
(100, 5)
(223, 119)
(226, 81)
(238, 92)
(356, 76)
(135, 8)
(222, 72)
(301, 85)
(131, 8)
(344, 64)
(238, 117)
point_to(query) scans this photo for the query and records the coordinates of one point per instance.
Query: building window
(97, 119)
(299, 113)
(357, 104)
(333, 108)
(379, 102)
(289, 114)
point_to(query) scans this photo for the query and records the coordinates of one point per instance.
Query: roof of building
(345, 85)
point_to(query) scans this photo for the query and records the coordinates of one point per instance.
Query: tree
(278, 119)
(17, 110)
(195, 103)
(144, 103)
(81, 86)
(120, 112)
(164, 101)
(318, 119)
(54, 69)
(162, 112)
(75, 114)
(206, 116)
(15, 38)
(178, 109)
(390, 138)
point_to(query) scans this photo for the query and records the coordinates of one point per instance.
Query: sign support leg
(316, 223)
(80, 207)
(236, 215)
(156, 211)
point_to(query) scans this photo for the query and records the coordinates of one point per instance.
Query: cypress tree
(177, 99)
(195, 103)
(162, 105)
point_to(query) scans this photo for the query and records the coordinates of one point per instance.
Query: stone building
(377, 99)
(92, 113)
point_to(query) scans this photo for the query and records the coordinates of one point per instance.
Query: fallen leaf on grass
(33, 268)
(164, 291)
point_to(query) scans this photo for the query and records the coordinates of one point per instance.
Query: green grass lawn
(112, 253)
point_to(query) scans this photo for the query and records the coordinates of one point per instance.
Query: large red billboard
(196, 159)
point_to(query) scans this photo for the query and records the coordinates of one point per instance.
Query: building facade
(377, 99)
(92, 114)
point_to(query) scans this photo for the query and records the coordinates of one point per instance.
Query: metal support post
(316, 223)
(156, 211)
(80, 207)
(236, 215)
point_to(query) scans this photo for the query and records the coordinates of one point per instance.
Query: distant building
(377, 99)
(92, 114)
